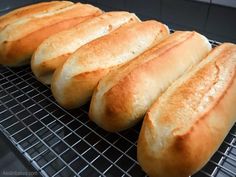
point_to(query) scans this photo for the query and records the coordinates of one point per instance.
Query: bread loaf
(30, 10)
(57, 48)
(20, 39)
(122, 97)
(74, 82)
(187, 124)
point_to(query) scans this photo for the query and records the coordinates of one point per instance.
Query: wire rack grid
(61, 143)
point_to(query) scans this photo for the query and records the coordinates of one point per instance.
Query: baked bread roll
(20, 39)
(33, 9)
(57, 48)
(74, 82)
(122, 97)
(187, 124)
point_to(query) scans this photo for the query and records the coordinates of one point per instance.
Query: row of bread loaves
(130, 69)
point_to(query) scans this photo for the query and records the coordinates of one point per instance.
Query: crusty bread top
(68, 41)
(170, 43)
(192, 96)
(33, 9)
(122, 97)
(84, 60)
(104, 53)
(27, 25)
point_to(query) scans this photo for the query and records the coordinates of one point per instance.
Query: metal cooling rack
(57, 142)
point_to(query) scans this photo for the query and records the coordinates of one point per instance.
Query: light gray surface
(229, 3)
(207, 1)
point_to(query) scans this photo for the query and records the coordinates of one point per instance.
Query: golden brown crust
(16, 52)
(83, 83)
(33, 9)
(49, 66)
(126, 93)
(24, 47)
(54, 63)
(205, 88)
(102, 55)
(182, 136)
(118, 110)
(68, 41)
